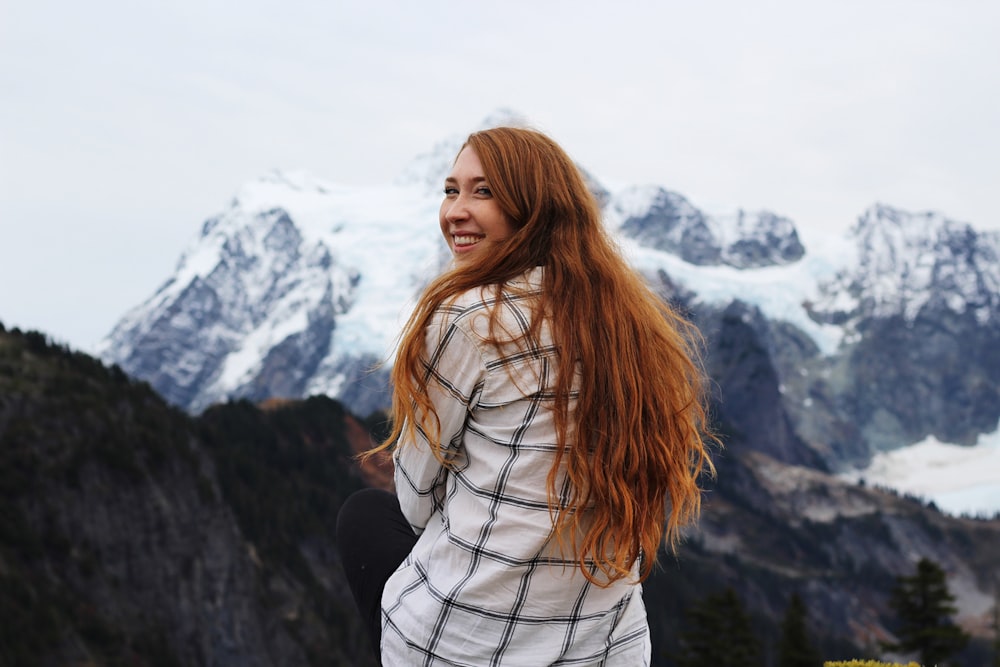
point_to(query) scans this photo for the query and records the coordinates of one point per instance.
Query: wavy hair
(634, 444)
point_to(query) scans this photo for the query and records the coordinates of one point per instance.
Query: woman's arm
(455, 372)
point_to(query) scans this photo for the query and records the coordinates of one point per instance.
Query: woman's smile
(470, 214)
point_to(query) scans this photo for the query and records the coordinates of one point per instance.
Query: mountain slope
(122, 540)
(297, 288)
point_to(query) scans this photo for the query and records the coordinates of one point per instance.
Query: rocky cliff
(666, 221)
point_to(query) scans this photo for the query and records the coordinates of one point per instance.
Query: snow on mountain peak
(295, 273)
(905, 261)
(667, 221)
(639, 200)
(505, 117)
(429, 169)
(297, 179)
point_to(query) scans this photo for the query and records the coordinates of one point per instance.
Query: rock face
(665, 220)
(770, 529)
(907, 262)
(250, 313)
(921, 306)
(933, 376)
(748, 385)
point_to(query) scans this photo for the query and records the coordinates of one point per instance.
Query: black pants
(373, 538)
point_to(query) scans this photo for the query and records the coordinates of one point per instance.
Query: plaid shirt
(485, 583)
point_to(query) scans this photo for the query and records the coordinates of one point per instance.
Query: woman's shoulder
(464, 304)
(485, 297)
(464, 308)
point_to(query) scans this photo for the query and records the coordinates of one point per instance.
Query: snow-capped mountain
(882, 339)
(429, 169)
(298, 287)
(903, 262)
(667, 221)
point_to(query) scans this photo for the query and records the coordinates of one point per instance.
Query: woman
(549, 430)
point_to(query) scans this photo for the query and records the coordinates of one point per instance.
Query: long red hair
(633, 445)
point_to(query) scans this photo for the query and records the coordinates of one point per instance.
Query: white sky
(124, 124)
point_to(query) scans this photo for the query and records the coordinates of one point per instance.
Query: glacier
(959, 480)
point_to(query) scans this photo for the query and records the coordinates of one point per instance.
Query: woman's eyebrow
(474, 179)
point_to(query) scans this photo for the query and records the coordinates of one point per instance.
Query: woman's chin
(462, 256)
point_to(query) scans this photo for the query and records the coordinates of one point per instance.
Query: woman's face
(471, 219)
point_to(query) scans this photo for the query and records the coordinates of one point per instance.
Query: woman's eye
(449, 190)
(485, 191)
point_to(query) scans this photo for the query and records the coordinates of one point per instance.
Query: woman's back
(486, 577)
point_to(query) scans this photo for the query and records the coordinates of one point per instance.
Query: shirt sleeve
(456, 372)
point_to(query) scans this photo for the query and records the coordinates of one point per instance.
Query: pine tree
(795, 649)
(924, 605)
(719, 634)
(996, 626)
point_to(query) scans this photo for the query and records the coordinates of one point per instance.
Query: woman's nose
(457, 209)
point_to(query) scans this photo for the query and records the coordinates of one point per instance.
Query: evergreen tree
(924, 605)
(795, 649)
(719, 634)
(996, 627)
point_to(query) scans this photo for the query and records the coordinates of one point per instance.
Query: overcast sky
(124, 124)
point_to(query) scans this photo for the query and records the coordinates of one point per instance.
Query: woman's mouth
(465, 240)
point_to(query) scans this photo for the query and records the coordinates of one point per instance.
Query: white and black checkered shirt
(485, 583)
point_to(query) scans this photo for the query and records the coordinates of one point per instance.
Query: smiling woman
(471, 219)
(537, 468)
